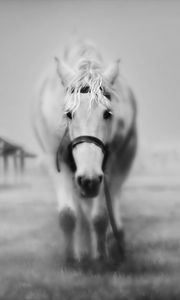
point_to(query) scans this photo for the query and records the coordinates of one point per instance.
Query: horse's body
(81, 203)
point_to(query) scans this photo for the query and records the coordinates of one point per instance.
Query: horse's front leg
(83, 242)
(100, 225)
(67, 210)
(116, 245)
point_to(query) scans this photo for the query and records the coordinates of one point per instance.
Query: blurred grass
(30, 247)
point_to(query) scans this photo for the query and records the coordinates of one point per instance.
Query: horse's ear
(64, 72)
(112, 72)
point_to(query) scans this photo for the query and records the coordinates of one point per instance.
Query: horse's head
(88, 111)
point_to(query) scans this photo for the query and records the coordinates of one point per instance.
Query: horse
(85, 121)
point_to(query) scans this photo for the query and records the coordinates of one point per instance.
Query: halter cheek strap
(59, 150)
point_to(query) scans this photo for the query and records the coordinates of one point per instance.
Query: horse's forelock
(87, 77)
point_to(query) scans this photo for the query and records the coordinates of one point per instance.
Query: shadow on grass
(77, 286)
(137, 278)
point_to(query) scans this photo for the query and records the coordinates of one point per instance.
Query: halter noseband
(88, 139)
(79, 140)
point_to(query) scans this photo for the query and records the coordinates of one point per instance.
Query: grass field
(30, 245)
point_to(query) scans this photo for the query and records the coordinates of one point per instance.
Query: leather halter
(78, 140)
(88, 139)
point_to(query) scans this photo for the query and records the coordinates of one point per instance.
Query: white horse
(85, 107)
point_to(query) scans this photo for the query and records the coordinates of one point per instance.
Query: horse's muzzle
(89, 187)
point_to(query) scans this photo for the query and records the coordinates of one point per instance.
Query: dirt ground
(30, 244)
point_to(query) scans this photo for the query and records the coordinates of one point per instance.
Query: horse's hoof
(69, 263)
(85, 263)
(116, 248)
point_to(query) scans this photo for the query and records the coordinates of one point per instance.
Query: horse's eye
(107, 114)
(69, 115)
(107, 95)
(85, 89)
(72, 90)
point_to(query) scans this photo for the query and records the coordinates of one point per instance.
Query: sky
(144, 34)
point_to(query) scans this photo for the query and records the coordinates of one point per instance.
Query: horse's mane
(88, 68)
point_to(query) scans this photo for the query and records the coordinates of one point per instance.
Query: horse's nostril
(79, 180)
(100, 177)
(89, 183)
